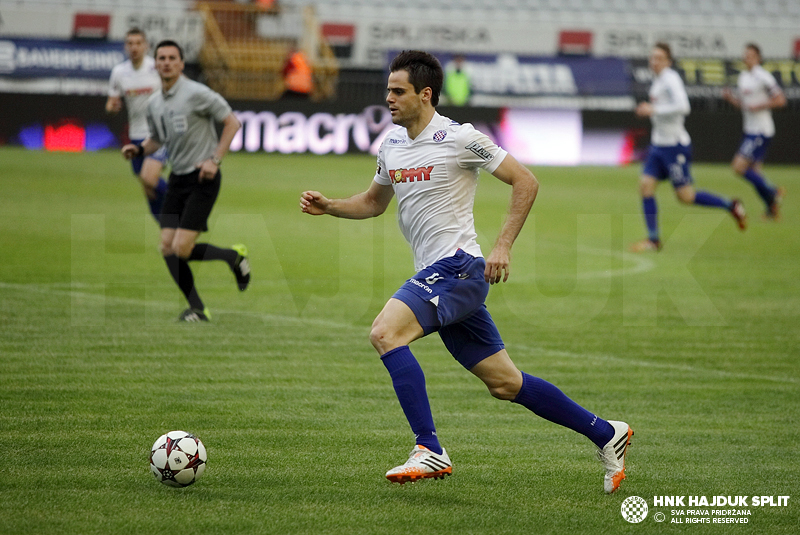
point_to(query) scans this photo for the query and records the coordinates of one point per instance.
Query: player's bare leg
(500, 375)
(395, 326)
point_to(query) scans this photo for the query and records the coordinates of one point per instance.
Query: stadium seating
(738, 13)
(672, 13)
(102, 5)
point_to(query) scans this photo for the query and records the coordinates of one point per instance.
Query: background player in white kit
(136, 79)
(431, 163)
(670, 153)
(759, 94)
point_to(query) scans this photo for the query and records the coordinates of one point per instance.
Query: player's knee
(377, 337)
(739, 167)
(382, 338)
(148, 182)
(505, 390)
(183, 249)
(647, 186)
(166, 248)
(505, 384)
(686, 197)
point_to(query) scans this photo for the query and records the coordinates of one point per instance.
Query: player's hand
(313, 202)
(114, 105)
(498, 265)
(644, 109)
(129, 151)
(208, 170)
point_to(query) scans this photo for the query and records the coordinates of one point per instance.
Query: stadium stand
(680, 13)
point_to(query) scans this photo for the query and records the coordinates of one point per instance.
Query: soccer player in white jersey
(431, 164)
(136, 79)
(759, 94)
(670, 153)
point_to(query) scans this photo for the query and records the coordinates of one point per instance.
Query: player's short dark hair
(168, 42)
(423, 69)
(755, 48)
(136, 31)
(665, 47)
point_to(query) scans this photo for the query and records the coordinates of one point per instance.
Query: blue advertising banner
(554, 81)
(43, 58)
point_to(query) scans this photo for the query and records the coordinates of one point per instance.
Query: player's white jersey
(136, 85)
(670, 108)
(434, 178)
(756, 87)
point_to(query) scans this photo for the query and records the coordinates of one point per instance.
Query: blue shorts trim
(670, 162)
(448, 297)
(159, 155)
(754, 147)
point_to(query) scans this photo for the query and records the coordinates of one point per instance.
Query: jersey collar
(174, 89)
(431, 125)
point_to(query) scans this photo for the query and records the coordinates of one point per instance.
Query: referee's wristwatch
(216, 161)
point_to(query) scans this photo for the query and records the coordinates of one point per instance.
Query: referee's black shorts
(188, 202)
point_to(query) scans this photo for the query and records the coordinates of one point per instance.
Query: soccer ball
(178, 459)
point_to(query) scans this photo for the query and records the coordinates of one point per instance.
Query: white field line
(641, 264)
(531, 350)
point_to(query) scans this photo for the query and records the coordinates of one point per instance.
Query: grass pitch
(696, 347)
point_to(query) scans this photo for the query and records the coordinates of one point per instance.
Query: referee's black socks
(182, 274)
(206, 251)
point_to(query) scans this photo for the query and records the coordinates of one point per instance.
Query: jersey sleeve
(381, 173)
(770, 83)
(211, 103)
(475, 149)
(114, 88)
(677, 100)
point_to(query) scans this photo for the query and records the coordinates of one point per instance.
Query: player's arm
(114, 100)
(148, 146)
(524, 188)
(731, 98)
(677, 101)
(209, 168)
(113, 105)
(370, 203)
(776, 100)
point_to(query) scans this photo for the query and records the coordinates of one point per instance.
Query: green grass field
(696, 347)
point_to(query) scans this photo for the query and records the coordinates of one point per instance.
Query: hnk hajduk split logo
(634, 509)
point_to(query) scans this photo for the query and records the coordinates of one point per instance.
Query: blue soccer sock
(650, 210)
(547, 401)
(704, 198)
(765, 191)
(158, 201)
(409, 385)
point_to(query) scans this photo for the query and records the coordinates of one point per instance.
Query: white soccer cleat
(612, 455)
(422, 463)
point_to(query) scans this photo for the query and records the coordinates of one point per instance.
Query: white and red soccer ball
(178, 459)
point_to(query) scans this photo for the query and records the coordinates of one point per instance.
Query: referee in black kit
(182, 116)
